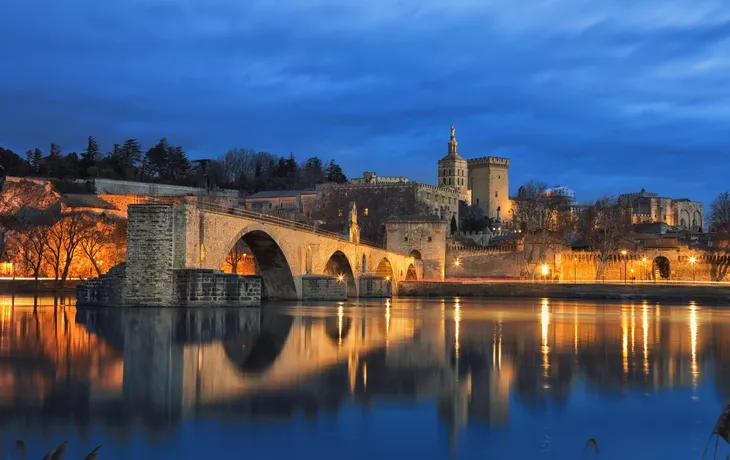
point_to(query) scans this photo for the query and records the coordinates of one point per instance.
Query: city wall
(714, 294)
(648, 265)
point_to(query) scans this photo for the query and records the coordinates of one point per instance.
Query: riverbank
(652, 292)
(29, 286)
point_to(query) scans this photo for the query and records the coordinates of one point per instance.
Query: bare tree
(542, 223)
(61, 242)
(237, 255)
(607, 227)
(28, 244)
(96, 238)
(720, 228)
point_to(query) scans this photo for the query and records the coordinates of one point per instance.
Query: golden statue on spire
(453, 135)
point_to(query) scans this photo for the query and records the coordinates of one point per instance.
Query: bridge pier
(155, 272)
(374, 286)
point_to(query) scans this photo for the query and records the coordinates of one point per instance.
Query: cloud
(603, 96)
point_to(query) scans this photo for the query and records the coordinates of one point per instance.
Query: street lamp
(545, 270)
(643, 264)
(575, 270)
(632, 276)
(623, 253)
(692, 260)
(457, 262)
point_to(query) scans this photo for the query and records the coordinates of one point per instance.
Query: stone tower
(453, 170)
(489, 185)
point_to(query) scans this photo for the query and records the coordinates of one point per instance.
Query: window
(496, 194)
(477, 200)
(430, 239)
(406, 238)
(339, 212)
(366, 211)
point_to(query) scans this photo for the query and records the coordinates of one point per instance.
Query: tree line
(244, 169)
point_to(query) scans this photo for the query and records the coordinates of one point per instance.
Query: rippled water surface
(356, 380)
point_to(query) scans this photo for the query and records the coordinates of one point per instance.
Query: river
(403, 378)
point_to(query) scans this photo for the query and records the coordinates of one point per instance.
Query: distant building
(647, 207)
(373, 179)
(481, 182)
(292, 204)
(562, 192)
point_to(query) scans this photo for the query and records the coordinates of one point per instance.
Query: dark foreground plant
(53, 454)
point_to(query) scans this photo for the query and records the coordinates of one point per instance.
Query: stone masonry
(155, 273)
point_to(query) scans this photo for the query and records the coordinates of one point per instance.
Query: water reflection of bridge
(117, 367)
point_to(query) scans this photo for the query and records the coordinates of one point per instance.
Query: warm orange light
(643, 259)
(387, 278)
(545, 269)
(623, 253)
(340, 278)
(457, 262)
(692, 260)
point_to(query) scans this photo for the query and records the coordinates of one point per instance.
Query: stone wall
(322, 287)
(120, 187)
(716, 294)
(203, 288)
(482, 265)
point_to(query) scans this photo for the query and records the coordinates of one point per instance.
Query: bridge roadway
(285, 250)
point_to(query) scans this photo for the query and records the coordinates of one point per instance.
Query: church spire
(453, 145)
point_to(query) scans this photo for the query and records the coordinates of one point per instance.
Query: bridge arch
(339, 265)
(385, 268)
(272, 264)
(256, 355)
(411, 274)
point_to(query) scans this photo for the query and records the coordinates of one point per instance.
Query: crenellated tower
(489, 185)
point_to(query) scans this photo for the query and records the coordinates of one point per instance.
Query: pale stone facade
(647, 207)
(489, 182)
(424, 239)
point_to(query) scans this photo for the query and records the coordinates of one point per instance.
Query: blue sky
(601, 96)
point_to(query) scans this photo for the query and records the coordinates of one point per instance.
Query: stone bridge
(294, 261)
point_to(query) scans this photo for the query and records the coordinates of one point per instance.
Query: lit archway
(240, 260)
(271, 264)
(661, 268)
(416, 254)
(385, 269)
(411, 274)
(338, 265)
